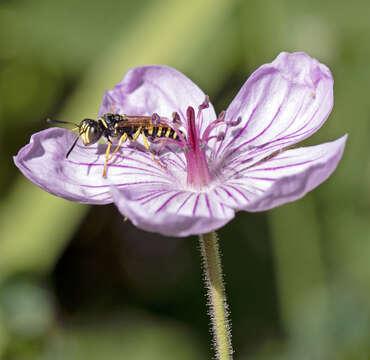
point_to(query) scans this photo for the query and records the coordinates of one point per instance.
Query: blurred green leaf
(28, 309)
(34, 228)
(134, 339)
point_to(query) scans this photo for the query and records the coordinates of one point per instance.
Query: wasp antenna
(52, 121)
(72, 147)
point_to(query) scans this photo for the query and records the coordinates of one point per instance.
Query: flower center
(196, 144)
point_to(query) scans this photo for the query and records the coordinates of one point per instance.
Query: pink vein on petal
(208, 205)
(118, 166)
(148, 164)
(223, 208)
(258, 135)
(151, 195)
(175, 163)
(168, 201)
(229, 194)
(239, 192)
(177, 156)
(294, 134)
(257, 178)
(241, 186)
(124, 184)
(239, 133)
(280, 167)
(184, 202)
(196, 204)
(292, 121)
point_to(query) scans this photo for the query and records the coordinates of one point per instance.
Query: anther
(155, 119)
(221, 136)
(221, 117)
(235, 122)
(204, 104)
(176, 118)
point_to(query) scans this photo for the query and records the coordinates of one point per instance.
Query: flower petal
(43, 161)
(156, 89)
(287, 176)
(281, 104)
(170, 211)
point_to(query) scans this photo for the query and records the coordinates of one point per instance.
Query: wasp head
(90, 131)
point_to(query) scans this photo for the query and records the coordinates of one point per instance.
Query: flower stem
(218, 307)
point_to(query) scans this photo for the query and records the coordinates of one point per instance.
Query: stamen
(221, 136)
(156, 119)
(235, 122)
(176, 118)
(219, 121)
(201, 107)
(214, 124)
(204, 104)
(221, 117)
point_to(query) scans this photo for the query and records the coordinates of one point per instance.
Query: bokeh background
(78, 283)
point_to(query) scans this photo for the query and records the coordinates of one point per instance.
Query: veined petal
(171, 211)
(78, 178)
(281, 104)
(287, 176)
(156, 89)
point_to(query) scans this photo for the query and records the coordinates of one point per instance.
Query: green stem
(216, 295)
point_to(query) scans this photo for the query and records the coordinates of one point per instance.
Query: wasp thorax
(90, 131)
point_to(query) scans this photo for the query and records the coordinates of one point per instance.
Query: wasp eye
(90, 132)
(93, 134)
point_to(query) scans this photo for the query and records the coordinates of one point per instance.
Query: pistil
(198, 174)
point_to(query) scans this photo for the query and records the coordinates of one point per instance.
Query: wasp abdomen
(157, 132)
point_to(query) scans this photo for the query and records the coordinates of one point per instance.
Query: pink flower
(240, 160)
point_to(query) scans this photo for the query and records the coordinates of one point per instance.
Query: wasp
(122, 127)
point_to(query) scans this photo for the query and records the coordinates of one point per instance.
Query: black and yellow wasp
(122, 127)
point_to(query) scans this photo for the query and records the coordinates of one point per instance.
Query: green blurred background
(78, 283)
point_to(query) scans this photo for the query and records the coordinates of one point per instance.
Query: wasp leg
(164, 142)
(122, 139)
(146, 144)
(107, 158)
(137, 133)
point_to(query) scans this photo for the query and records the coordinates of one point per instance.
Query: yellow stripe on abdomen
(168, 132)
(159, 132)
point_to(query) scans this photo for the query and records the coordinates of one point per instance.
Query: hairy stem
(218, 308)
